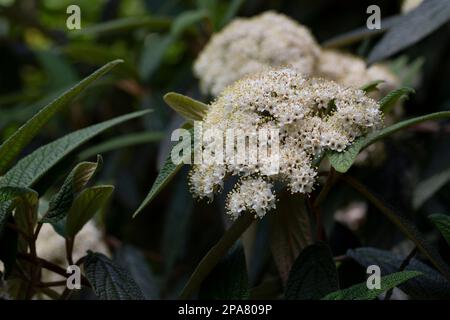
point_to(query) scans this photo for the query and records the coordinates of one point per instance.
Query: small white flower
(311, 115)
(250, 45)
(253, 194)
(350, 70)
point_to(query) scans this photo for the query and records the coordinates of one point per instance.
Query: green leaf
(8, 194)
(11, 197)
(404, 225)
(411, 28)
(24, 111)
(34, 166)
(124, 25)
(290, 232)
(231, 11)
(408, 71)
(371, 86)
(19, 139)
(110, 281)
(214, 10)
(442, 222)
(389, 101)
(313, 274)
(229, 279)
(431, 285)
(156, 46)
(213, 256)
(59, 72)
(131, 259)
(165, 175)
(427, 188)
(121, 142)
(190, 109)
(96, 54)
(85, 206)
(24, 202)
(361, 292)
(360, 33)
(60, 203)
(186, 20)
(342, 161)
(176, 224)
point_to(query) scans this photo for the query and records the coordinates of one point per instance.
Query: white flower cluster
(312, 115)
(250, 45)
(253, 194)
(350, 70)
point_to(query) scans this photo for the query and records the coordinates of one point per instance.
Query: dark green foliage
(109, 281)
(361, 292)
(229, 278)
(75, 101)
(430, 285)
(313, 274)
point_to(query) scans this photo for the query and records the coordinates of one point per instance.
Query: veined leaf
(110, 281)
(60, 73)
(313, 274)
(14, 193)
(24, 111)
(34, 166)
(342, 161)
(389, 101)
(17, 141)
(411, 27)
(167, 172)
(442, 222)
(190, 109)
(97, 54)
(133, 260)
(361, 292)
(404, 225)
(124, 141)
(10, 197)
(85, 206)
(430, 285)
(371, 86)
(229, 279)
(60, 203)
